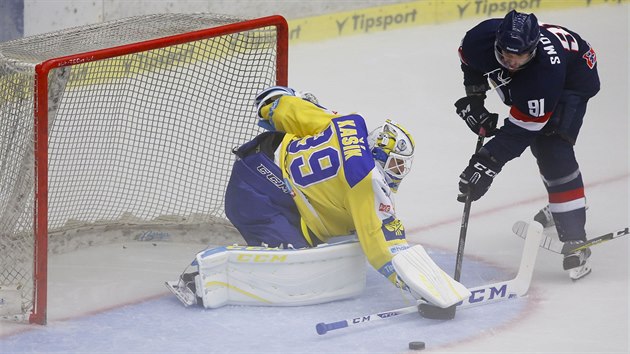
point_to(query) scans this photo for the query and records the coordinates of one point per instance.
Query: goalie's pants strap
(258, 202)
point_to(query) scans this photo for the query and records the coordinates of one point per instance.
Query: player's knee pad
(555, 157)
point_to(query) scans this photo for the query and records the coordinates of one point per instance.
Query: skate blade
(182, 293)
(577, 274)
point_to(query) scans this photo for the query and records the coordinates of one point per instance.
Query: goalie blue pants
(258, 202)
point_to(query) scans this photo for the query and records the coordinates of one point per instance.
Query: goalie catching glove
(425, 280)
(476, 116)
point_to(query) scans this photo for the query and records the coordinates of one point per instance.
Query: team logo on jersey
(590, 57)
(384, 207)
(393, 229)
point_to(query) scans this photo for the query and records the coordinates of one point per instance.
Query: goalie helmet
(516, 40)
(392, 148)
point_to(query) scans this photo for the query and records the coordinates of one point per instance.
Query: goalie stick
(552, 244)
(481, 295)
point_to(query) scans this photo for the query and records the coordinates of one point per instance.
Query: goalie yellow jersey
(334, 181)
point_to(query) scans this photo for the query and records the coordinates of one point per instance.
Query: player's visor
(511, 61)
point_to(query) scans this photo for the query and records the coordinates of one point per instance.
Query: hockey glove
(478, 176)
(476, 116)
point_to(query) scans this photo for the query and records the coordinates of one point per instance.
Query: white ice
(103, 300)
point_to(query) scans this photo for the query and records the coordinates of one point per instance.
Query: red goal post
(132, 122)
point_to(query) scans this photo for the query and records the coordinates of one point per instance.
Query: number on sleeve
(568, 41)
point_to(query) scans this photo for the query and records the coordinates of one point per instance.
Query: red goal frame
(40, 222)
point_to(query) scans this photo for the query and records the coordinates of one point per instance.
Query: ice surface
(103, 300)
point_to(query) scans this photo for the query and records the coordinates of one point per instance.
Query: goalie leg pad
(245, 275)
(426, 280)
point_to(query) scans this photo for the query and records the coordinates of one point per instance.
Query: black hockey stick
(433, 312)
(554, 245)
(465, 216)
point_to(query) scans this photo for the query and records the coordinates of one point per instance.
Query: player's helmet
(518, 34)
(392, 148)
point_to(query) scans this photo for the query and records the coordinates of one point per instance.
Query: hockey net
(124, 123)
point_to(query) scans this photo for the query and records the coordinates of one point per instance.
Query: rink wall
(311, 20)
(415, 13)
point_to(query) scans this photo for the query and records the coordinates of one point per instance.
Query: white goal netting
(140, 129)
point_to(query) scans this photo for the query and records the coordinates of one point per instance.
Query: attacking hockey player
(313, 177)
(546, 74)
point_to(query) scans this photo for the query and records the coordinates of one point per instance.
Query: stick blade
(547, 240)
(520, 228)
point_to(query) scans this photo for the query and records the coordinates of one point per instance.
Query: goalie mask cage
(124, 122)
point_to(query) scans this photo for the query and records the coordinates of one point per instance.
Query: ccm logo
(384, 207)
(479, 166)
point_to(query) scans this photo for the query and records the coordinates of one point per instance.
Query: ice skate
(544, 217)
(577, 262)
(184, 289)
(580, 272)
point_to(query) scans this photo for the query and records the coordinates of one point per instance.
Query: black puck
(416, 345)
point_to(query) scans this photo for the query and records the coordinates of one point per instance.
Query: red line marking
(537, 199)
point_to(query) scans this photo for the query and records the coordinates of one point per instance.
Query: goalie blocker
(260, 276)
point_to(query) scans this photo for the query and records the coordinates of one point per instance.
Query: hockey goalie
(295, 190)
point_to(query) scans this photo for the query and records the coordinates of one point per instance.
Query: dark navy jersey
(563, 62)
